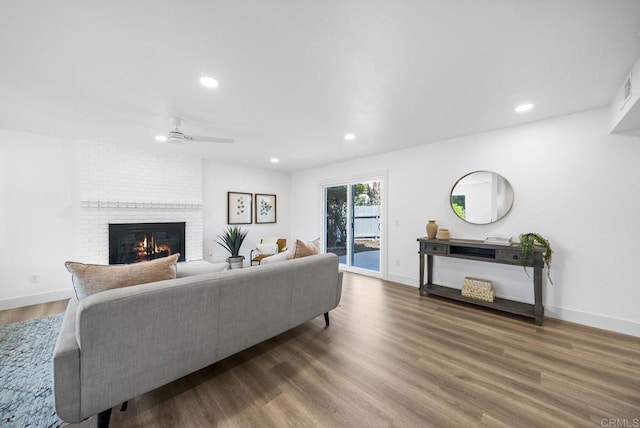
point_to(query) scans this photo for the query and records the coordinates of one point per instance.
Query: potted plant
(231, 240)
(529, 241)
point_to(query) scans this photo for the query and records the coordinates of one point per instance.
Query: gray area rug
(26, 365)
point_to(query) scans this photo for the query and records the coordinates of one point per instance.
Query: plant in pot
(528, 242)
(231, 240)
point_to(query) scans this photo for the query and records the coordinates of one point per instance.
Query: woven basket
(480, 289)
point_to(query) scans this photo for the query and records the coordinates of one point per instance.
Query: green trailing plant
(528, 242)
(232, 239)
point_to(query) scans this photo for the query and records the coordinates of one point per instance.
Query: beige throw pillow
(90, 279)
(303, 249)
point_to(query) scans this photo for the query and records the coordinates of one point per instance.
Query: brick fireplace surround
(130, 185)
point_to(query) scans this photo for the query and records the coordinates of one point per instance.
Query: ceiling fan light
(161, 138)
(176, 136)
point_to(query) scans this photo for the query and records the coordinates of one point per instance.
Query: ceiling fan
(178, 137)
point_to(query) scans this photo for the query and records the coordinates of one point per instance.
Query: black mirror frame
(474, 172)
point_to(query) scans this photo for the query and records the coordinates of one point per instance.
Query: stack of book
(481, 289)
(498, 240)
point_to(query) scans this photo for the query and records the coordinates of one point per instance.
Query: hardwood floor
(393, 359)
(32, 312)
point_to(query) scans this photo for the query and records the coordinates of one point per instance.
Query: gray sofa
(119, 344)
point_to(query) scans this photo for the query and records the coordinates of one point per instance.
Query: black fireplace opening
(140, 242)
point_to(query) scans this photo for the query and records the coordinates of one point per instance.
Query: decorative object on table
(432, 229)
(498, 240)
(265, 208)
(239, 208)
(528, 242)
(443, 234)
(26, 395)
(231, 240)
(480, 289)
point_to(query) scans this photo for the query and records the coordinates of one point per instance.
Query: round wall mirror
(481, 197)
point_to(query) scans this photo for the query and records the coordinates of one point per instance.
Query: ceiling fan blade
(208, 139)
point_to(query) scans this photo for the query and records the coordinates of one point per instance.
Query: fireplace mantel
(138, 204)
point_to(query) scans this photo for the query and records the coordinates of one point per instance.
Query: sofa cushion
(198, 267)
(285, 255)
(89, 279)
(304, 249)
(267, 248)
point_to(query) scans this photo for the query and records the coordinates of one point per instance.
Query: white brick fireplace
(120, 184)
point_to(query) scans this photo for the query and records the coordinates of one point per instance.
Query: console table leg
(537, 289)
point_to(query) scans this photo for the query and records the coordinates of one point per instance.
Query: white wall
(220, 178)
(573, 183)
(38, 218)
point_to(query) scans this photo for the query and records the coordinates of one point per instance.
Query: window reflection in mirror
(481, 197)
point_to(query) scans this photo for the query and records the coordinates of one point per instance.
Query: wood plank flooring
(394, 359)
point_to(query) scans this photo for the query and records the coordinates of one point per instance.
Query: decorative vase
(444, 234)
(235, 262)
(432, 229)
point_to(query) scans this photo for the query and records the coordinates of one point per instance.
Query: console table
(480, 251)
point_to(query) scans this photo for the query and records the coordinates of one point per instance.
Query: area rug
(26, 364)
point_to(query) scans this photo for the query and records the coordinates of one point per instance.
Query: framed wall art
(239, 208)
(265, 208)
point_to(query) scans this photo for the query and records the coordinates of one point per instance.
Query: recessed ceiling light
(275, 160)
(350, 136)
(523, 108)
(161, 138)
(209, 82)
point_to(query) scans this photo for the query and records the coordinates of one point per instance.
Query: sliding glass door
(353, 223)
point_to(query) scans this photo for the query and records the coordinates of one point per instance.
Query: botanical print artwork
(239, 208)
(265, 208)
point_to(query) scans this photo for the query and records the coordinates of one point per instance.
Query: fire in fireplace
(139, 242)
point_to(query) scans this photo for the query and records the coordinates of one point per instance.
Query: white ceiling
(297, 75)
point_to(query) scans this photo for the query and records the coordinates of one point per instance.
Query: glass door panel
(365, 215)
(336, 221)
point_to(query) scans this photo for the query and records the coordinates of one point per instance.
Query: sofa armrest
(66, 367)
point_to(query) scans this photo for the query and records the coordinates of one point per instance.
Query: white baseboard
(35, 299)
(406, 280)
(605, 322)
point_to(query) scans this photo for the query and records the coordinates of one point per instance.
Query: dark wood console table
(479, 251)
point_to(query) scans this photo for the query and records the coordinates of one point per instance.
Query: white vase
(235, 262)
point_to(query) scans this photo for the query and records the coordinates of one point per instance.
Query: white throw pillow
(280, 257)
(198, 267)
(267, 248)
